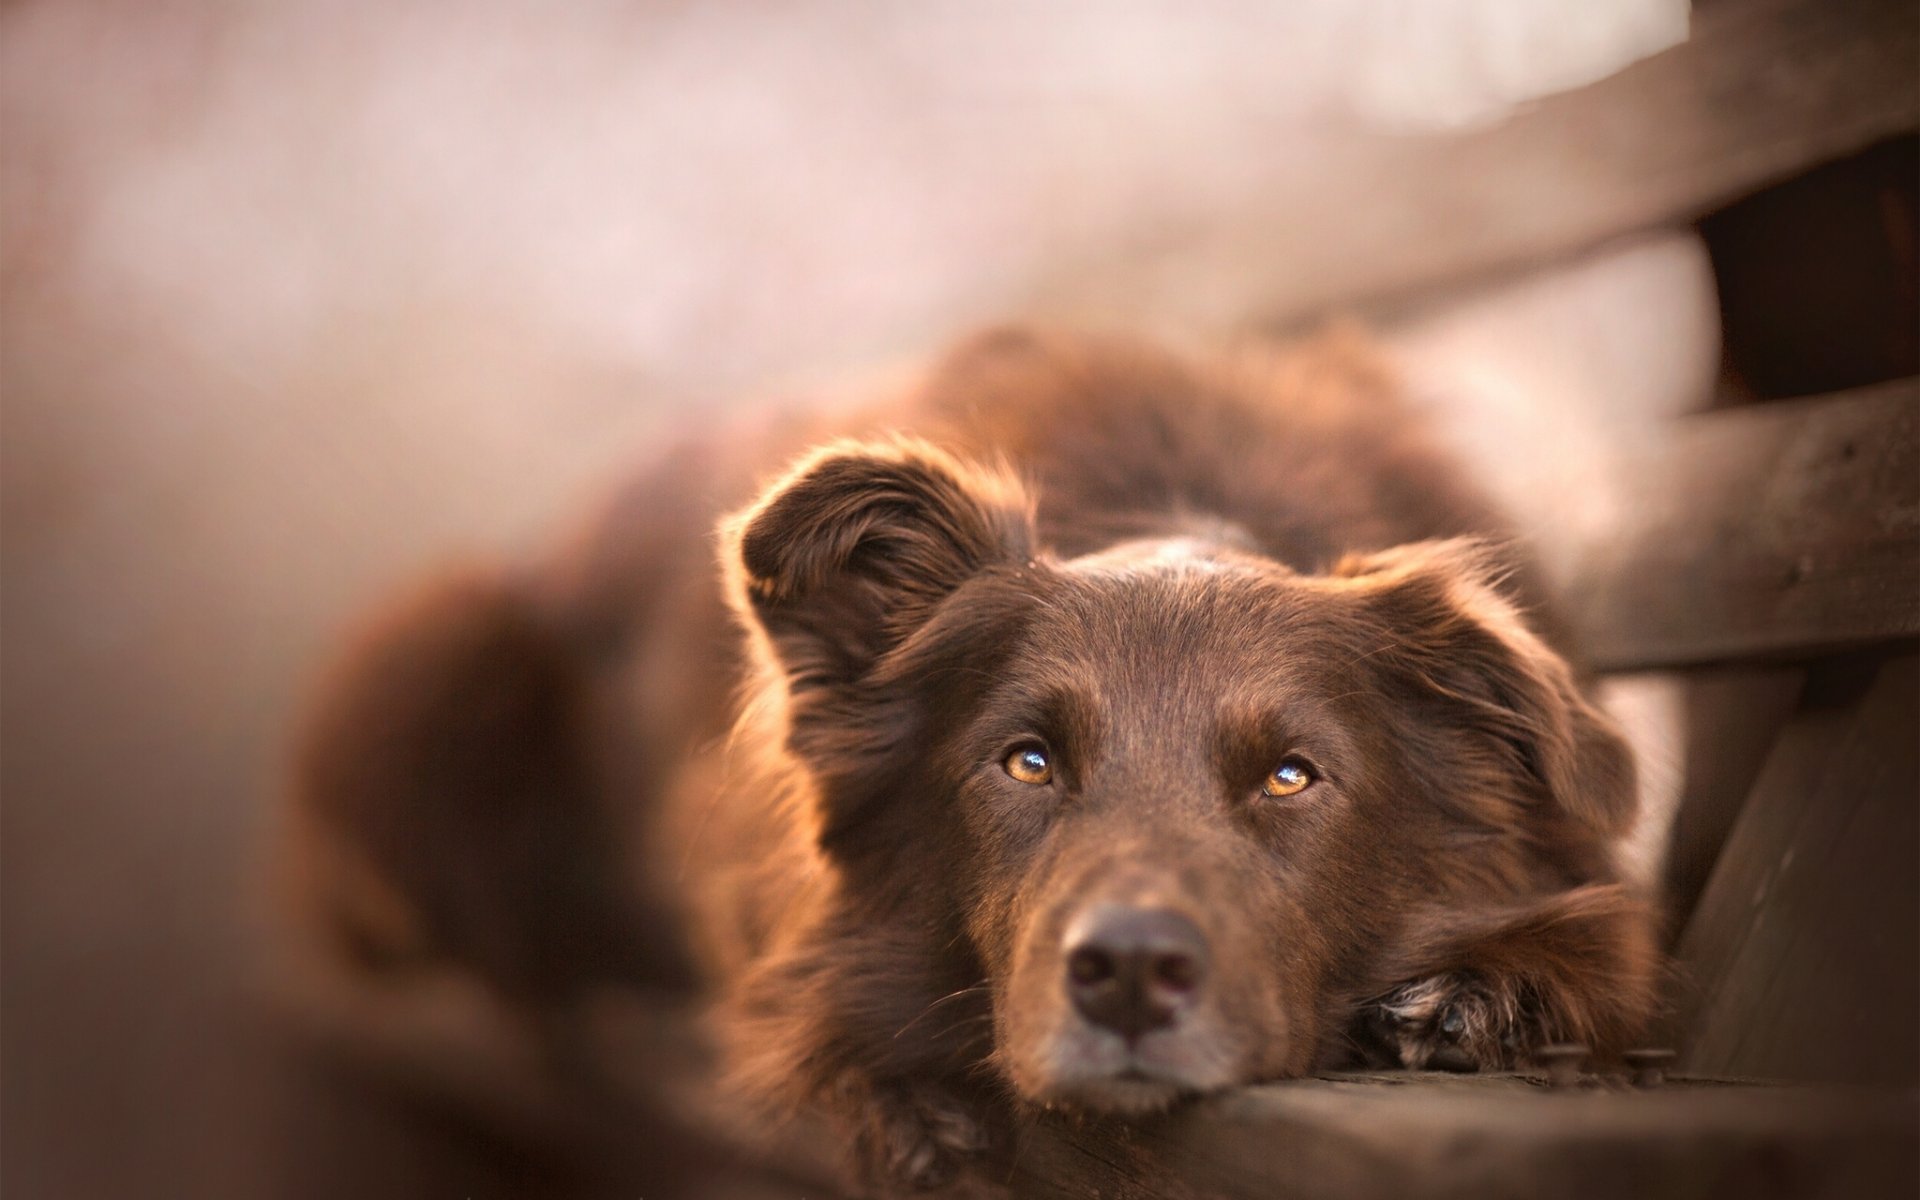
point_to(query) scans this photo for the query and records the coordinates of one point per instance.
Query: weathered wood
(1733, 715)
(1803, 956)
(1763, 90)
(1486, 1138)
(1780, 530)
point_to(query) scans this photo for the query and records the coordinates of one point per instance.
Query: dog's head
(1174, 801)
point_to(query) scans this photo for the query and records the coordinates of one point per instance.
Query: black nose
(1132, 970)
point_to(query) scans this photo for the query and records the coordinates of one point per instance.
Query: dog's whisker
(981, 988)
(982, 1019)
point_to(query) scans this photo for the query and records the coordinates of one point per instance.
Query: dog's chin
(1127, 1094)
(1097, 1074)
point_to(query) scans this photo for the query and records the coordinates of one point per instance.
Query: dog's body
(1112, 730)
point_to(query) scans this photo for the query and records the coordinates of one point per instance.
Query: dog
(1089, 728)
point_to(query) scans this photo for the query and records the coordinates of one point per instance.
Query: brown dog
(1122, 731)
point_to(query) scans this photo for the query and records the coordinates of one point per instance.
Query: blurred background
(296, 298)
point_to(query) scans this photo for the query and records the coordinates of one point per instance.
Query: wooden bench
(1774, 564)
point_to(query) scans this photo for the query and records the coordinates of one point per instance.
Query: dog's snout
(1133, 970)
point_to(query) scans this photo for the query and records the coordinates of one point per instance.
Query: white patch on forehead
(1171, 555)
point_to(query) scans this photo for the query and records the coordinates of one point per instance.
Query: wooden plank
(1780, 530)
(1763, 90)
(1733, 715)
(1803, 956)
(1427, 1136)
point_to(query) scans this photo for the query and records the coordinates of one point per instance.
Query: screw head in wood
(1562, 1061)
(1649, 1066)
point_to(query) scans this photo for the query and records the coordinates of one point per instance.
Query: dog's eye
(1030, 764)
(1290, 778)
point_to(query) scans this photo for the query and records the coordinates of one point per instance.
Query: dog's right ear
(841, 560)
(1452, 634)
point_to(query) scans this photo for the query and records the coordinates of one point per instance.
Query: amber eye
(1290, 778)
(1030, 764)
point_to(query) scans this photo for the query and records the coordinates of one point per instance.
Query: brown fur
(1171, 577)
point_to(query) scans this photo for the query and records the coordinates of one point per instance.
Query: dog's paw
(1455, 1022)
(919, 1137)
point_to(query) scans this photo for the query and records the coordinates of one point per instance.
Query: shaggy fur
(1167, 580)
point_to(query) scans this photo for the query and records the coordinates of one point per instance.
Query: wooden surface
(1802, 960)
(1762, 90)
(1732, 716)
(1779, 530)
(1420, 1136)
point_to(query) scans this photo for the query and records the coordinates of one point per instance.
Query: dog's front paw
(1455, 1022)
(919, 1137)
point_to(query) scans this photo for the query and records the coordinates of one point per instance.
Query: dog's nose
(1133, 970)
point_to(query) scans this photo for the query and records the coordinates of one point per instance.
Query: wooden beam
(1802, 959)
(1763, 90)
(1770, 531)
(1733, 716)
(1417, 1136)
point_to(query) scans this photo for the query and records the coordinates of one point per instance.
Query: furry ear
(854, 549)
(1455, 630)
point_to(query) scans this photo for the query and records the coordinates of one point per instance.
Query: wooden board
(1783, 530)
(1423, 1136)
(1763, 90)
(1802, 960)
(1733, 715)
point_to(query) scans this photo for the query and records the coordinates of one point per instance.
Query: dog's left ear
(1461, 638)
(845, 557)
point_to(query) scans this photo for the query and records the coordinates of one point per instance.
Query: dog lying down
(1088, 729)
